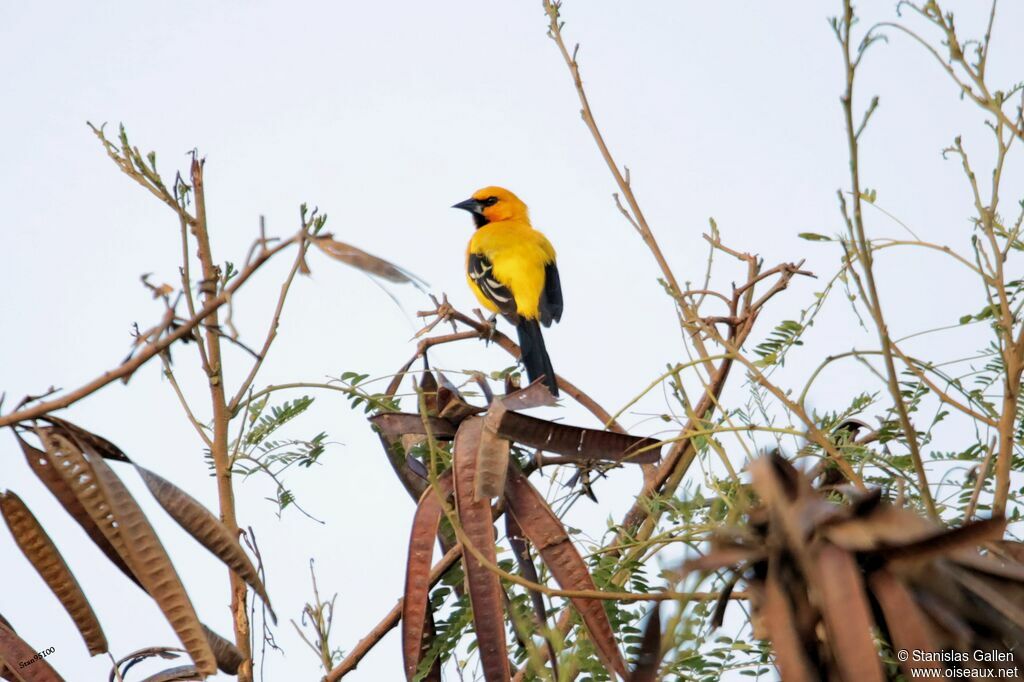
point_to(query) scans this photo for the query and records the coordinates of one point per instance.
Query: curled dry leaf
(229, 658)
(39, 549)
(480, 379)
(988, 566)
(907, 623)
(456, 409)
(149, 561)
(718, 615)
(44, 470)
(451, 403)
(434, 674)
(1001, 597)
(114, 511)
(578, 443)
(182, 507)
(485, 591)
(89, 441)
(428, 387)
(521, 550)
(512, 384)
(548, 535)
(41, 465)
(415, 466)
(446, 392)
(361, 260)
(826, 579)
(1010, 550)
(179, 674)
(14, 649)
(68, 461)
(646, 669)
(492, 457)
(206, 529)
(534, 395)
(776, 613)
(942, 542)
(847, 614)
(121, 667)
(415, 604)
(394, 425)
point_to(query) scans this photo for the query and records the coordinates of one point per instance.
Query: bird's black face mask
(476, 209)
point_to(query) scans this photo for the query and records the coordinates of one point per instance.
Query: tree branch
(151, 349)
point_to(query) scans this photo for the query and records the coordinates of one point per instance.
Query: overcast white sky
(384, 115)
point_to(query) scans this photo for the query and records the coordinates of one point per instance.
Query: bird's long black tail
(535, 355)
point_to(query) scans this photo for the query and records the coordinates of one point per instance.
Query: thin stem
(275, 321)
(169, 374)
(979, 484)
(864, 254)
(221, 416)
(148, 351)
(635, 214)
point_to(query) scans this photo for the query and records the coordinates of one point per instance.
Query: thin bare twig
(221, 415)
(859, 240)
(635, 214)
(275, 321)
(389, 621)
(979, 484)
(148, 351)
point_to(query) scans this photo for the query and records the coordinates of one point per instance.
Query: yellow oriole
(511, 268)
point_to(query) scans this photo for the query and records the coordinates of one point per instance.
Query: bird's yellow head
(494, 205)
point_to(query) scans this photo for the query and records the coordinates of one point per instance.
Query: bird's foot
(490, 328)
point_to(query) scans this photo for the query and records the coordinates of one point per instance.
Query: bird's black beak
(472, 205)
(476, 209)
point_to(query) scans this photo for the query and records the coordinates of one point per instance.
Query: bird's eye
(490, 201)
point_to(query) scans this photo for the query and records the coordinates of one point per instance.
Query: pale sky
(384, 115)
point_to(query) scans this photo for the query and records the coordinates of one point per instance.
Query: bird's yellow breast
(518, 254)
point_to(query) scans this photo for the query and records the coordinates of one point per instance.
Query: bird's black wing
(551, 297)
(482, 273)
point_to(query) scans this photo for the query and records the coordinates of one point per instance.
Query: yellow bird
(511, 268)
